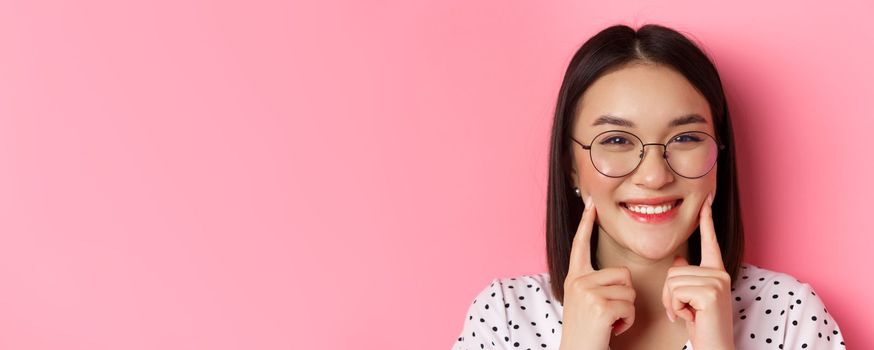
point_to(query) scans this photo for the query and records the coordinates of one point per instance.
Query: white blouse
(772, 310)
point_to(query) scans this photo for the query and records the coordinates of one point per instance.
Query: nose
(653, 172)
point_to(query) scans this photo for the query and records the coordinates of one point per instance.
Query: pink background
(339, 175)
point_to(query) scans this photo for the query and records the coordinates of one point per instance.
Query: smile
(652, 214)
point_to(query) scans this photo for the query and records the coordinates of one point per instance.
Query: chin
(653, 245)
(655, 253)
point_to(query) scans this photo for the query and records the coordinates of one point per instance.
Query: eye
(687, 138)
(619, 140)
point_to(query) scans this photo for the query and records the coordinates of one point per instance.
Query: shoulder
(515, 290)
(771, 307)
(534, 285)
(754, 281)
(756, 285)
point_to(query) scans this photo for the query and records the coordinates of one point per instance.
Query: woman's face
(648, 97)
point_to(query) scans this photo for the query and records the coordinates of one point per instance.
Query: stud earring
(577, 190)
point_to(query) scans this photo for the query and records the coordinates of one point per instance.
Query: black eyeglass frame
(588, 147)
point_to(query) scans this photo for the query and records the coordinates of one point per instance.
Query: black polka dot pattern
(771, 310)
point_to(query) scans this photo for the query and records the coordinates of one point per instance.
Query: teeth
(648, 209)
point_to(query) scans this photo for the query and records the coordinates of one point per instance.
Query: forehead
(649, 96)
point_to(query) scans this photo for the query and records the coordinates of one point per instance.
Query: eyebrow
(691, 118)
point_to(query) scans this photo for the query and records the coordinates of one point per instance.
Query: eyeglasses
(617, 153)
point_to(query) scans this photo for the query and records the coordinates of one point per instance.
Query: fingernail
(671, 318)
(710, 199)
(588, 201)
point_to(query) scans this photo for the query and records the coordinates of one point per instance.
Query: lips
(653, 218)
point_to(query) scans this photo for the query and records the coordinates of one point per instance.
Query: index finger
(581, 262)
(710, 253)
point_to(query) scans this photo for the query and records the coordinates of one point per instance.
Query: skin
(645, 281)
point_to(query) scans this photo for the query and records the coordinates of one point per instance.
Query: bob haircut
(612, 49)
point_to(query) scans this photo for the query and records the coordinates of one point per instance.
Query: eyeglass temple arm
(585, 147)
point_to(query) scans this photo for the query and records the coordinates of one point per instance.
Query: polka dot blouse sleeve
(809, 325)
(485, 325)
(513, 313)
(775, 310)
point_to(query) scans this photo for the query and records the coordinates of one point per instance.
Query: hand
(596, 303)
(701, 295)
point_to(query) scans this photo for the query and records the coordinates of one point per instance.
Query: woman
(644, 235)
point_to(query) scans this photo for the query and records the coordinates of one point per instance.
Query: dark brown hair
(612, 48)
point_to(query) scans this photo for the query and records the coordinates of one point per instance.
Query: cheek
(601, 188)
(696, 194)
(701, 187)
